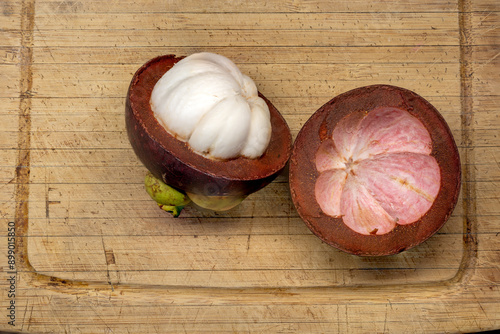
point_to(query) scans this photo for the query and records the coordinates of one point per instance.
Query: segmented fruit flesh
(376, 171)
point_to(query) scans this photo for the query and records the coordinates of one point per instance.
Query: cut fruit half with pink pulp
(376, 171)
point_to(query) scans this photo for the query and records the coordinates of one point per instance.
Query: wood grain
(94, 254)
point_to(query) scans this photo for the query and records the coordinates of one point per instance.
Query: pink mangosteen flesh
(376, 171)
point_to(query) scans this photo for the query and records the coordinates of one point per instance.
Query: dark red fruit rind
(303, 173)
(177, 165)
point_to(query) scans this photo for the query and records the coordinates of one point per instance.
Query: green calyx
(167, 198)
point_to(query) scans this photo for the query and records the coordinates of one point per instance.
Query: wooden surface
(94, 255)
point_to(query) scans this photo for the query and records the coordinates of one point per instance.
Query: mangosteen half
(213, 183)
(375, 171)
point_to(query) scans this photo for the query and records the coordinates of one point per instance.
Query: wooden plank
(193, 6)
(335, 54)
(55, 77)
(271, 89)
(247, 21)
(237, 38)
(230, 319)
(233, 252)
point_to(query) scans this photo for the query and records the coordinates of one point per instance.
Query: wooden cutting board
(84, 250)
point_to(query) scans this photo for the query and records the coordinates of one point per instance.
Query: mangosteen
(375, 171)
(201, 127)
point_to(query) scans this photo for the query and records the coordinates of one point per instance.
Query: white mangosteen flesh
(377, 171)
(206, 101)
